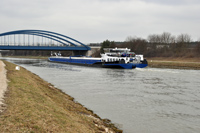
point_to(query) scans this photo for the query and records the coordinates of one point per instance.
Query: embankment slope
(34, 105)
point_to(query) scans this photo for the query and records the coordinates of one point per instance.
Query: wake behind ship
(113, 58)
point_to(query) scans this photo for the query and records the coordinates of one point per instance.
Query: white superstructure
(122, 55)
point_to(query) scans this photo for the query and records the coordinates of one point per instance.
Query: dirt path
(3, 83)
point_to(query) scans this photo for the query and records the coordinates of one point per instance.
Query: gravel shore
(3, 83)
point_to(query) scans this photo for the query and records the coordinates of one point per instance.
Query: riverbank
(29, 57)
(34, 105)
(174, 63)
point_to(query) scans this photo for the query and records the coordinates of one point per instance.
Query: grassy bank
(176, 63)
(34, 105)
(29, 57)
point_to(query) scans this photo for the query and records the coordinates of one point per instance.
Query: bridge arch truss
(39, 40)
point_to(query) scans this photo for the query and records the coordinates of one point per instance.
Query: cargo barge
(113, 58)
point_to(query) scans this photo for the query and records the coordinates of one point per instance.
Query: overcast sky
(92, 21)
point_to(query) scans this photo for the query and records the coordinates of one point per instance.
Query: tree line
(156, 45)
(159, 45)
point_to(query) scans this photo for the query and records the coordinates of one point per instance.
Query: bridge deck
(41, 48)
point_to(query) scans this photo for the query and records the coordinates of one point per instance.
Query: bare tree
(130, 39)
(151, 38)
(197, 48)
(172, 39)
(165, 37)
(183, 38)
(136, 44)
(154, 38)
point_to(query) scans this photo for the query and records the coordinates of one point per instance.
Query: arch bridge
(39, 40)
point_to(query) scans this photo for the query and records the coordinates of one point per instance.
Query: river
(149, 100)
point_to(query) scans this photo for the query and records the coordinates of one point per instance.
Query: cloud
(97, 20)
(173, 2)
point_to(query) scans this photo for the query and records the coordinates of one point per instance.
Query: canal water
(149, 100)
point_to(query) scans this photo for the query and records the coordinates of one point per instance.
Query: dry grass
(29, 57)
(175, 59)
(34, 105)
(180, 63)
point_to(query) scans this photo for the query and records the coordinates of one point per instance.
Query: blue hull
(141, 65)
(126, 66)
(74, 61)
(96, 63)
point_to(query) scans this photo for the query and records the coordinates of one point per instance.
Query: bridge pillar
(92, 51)
(86, 53)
